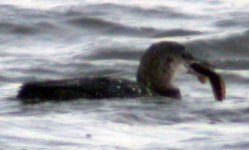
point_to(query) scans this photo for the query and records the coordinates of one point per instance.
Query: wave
(235, 19)
(111, 28)
(108, 53)
(20, 21)
(12, 28)
(91, 22)
(177, 32)
(232, 64)
(88, 19)
(227, 48)
(107, 8)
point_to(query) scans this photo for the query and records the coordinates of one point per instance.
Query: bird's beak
(204, 71)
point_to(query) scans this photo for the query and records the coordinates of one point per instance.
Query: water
(57, 39)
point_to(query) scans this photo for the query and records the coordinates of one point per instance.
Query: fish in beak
(204, 72)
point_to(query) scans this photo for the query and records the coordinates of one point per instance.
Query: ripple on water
(108, 39)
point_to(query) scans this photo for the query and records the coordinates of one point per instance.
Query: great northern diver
(159, 66)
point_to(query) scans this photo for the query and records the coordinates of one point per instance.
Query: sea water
(45, 39)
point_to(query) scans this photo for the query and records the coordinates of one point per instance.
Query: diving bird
(159, 67)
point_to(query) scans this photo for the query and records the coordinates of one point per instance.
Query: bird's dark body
(90, 88)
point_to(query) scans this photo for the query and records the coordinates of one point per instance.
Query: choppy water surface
(57, 39)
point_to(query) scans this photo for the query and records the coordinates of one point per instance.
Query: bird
(159, 67)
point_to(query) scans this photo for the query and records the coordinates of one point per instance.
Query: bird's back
(90, 88)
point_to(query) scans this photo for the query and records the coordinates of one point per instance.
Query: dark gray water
(57, 39)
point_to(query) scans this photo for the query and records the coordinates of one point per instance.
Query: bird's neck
(160, 85)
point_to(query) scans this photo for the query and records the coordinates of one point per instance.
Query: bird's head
(164, 61)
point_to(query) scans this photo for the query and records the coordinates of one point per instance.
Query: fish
(215, 79)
